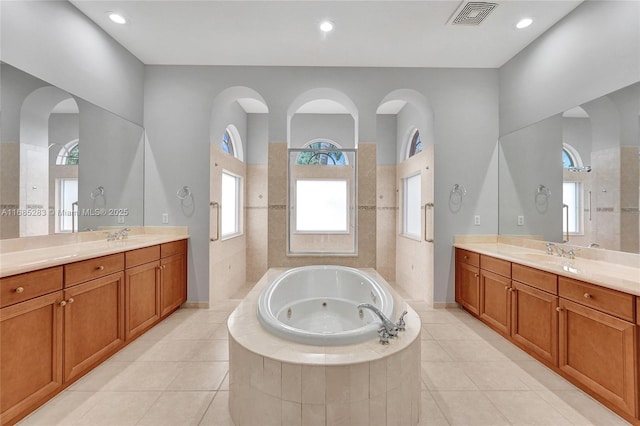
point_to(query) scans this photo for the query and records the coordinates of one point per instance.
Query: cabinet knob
(466, 258)
(587, 296)
(511, 289)
(63, 303)
(476, 275)
(19, 289)
(100, 268)
(507, 288)
(70, 300)
(559, 309)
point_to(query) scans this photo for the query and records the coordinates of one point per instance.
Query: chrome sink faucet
(119, 235)
(388, 329)
(550, 247)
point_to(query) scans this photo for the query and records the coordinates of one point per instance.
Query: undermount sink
(539, 257)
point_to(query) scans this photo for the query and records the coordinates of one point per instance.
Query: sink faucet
(550, 247)
(388, 329)
(120, 235)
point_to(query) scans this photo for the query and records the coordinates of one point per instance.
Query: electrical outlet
(120, 219)
(165, 217)
(520, 220)
(476, 220)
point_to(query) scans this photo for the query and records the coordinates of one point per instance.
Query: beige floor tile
(432, 351)
(446, 376)
(539, 377)
(526, 408)
(580, 408)
(177, 408)
(471, 350)
(430, 414)
(468, 408)
(449, 331)
(218, 412)
(135, 350)
(101, 377)
(118, 408)
(66, 408)
(191, 331)
(224, 386)
(144, 376)
(210, 350)
(170, 350)
(496, 375)
(199, 376)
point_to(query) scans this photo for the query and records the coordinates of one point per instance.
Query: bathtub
(318, 305)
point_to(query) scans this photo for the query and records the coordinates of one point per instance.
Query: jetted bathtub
(318, 305)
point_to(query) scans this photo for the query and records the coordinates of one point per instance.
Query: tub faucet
(388, 329)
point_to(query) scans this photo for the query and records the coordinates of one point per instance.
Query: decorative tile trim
(630, 209)
(604, 209)
(277, 207)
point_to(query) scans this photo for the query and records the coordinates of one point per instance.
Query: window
(567, 159)
(321, 206)
(230, 205)
(69, 154)
(571, 200)
(322, 153)
(67, 195)
(411, 206)
(416, 144)
(228, 143)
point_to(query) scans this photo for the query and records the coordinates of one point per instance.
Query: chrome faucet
(388, 329)
(550, 247)
(594, 245)
(120, 235)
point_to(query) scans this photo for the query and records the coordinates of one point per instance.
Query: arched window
(416, 144)
(69, 154)
(322, 152)
(568, 161)
(228, 144)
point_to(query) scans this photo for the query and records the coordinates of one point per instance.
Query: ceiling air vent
(472, 13)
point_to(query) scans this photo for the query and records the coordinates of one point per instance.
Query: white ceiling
(367, 33)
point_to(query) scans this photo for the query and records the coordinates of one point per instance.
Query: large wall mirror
(66, 164)
(575, 177)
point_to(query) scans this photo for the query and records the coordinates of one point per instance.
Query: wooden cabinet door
(495, 301)
(142, 298)
(534, 321)
(30, 354)
(597, 350)
(173, 291)
(93, 323)
(468, 286)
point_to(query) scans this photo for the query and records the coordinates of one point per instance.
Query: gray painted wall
(178, 103)
(55, 42)
(591, 52)
(336, 127)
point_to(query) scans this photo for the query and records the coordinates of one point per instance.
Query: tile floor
(177, 374)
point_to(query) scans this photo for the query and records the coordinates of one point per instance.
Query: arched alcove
(323, 105)
(38, 144)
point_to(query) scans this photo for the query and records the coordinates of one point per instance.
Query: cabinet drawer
(467, 257)
(75, 273)
(638, 310)
(175, 247)
(19, 288)
(141, 256)
(499, 266)
(536, 278)
(603, 299)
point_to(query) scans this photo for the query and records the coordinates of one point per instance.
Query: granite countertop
(16, 261)
(615, 276)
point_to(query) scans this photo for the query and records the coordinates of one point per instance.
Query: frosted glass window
(68, 191)
(571, 198)
(412, 203)
(321, 206)
(230, 205)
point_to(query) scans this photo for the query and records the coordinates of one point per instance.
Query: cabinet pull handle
(70, 300)
(100, 268)
(559, 309)
(63, 303)
(587, 296)
(19, 289)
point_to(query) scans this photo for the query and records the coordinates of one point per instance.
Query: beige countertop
(16, 259)
(622, 277)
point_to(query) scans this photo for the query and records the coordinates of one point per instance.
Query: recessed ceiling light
(117, 18)
(326, 26)
(524, 23)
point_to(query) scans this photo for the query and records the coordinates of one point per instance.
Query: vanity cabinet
(173, 272)
(534, 318)
(495, 294)
(468, 280)
(56, 324)
(587, 333)
(598, 341)
(31, 321)
(142, 290)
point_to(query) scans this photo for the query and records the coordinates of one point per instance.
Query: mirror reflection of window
(228, 143)
(416, 144)
(230, 205)
(68, 194)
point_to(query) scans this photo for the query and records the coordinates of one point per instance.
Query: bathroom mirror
(67, 165)
(575, 176)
